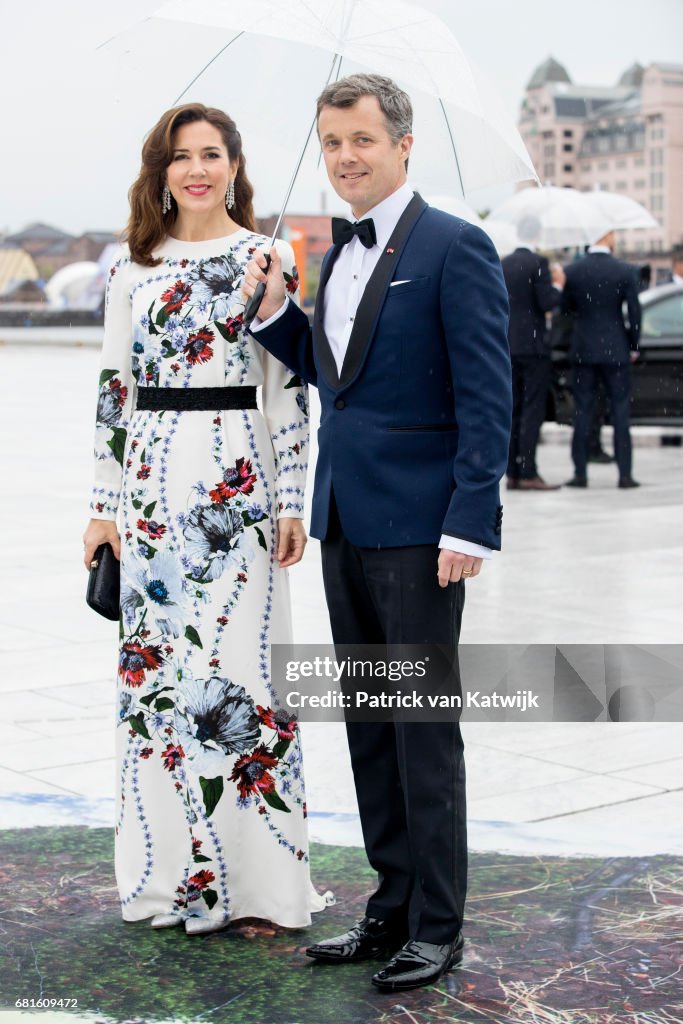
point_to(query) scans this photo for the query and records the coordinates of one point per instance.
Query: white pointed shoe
(166, 920)
(204, 925)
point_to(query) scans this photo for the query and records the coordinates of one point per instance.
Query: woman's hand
(100, 531)
(291, 541)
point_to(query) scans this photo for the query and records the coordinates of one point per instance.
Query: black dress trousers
(409, 776)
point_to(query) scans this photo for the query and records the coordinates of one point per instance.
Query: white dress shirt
(343, 292)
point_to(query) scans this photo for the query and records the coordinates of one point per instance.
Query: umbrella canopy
(622, 212)
(458, 120)
(552, 218)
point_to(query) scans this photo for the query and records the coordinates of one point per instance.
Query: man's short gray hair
(394, 102)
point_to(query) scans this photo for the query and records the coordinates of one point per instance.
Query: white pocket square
(394, 283)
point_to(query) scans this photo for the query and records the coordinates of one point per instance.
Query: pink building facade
(626, 138)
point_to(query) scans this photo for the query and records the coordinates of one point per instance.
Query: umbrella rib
(301, 157)
(332, 77)
(455, 155)
(207, 65)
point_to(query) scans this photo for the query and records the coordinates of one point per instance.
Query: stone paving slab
(599, 566)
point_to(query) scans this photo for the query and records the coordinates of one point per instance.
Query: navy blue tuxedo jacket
(532, 295)
(414, 435)
(595, 291)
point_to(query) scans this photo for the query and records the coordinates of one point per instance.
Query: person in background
(604, 345)
(677, 266)
(533, 292)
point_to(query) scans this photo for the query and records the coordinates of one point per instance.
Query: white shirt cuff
(257, 323)
(464, 547)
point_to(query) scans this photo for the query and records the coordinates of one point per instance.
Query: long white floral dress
(211, 806)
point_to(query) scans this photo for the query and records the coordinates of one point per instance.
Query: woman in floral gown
(211, 808)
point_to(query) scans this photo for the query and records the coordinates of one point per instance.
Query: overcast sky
(74, 117)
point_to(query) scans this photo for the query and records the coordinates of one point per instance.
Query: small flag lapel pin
(390, 252)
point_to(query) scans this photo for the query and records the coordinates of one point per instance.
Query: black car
(657, 382)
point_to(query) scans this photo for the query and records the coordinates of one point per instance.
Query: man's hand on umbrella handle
(258, 272)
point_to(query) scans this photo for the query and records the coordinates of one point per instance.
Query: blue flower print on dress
(157, 585)
(218, 718)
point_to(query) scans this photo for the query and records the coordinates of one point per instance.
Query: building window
(639, 161)
(621, 186)
(640, 183)
(603, 165)
(568, 133)
(568, 168)
(568, 147)
(656, 179)
(586, 167)
(621, 164)
(603, 145)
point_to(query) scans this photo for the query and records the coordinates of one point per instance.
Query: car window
(663, 318)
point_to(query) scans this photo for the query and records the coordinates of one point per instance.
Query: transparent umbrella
(622, 212)
(552, 218)
(462, 129)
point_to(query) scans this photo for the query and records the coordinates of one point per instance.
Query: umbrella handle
(251, 308)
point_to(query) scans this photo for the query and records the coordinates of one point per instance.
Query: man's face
(363, 163)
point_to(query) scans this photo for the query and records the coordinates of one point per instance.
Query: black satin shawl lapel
(325, 356)
(375, 291)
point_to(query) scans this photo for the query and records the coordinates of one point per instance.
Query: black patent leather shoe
(627, 482)
(418, 964)
(369, 939)
(577, 481)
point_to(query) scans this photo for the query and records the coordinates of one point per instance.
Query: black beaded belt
(196, 399)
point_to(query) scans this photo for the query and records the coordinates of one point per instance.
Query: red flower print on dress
(144, 471)
(251, 772)
(198, 349)
(196, 846)
(233, 325)
(292, 281)
(146, 752)
(176, 296)
(153, 529)
(172, 756)
(118, 390)
(237, 479)
(197, 883)
(278, 720)
(135, 660)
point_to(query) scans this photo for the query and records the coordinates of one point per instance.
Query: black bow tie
(343, 231)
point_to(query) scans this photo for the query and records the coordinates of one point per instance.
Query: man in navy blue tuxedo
(604, 345)
(532, 294)
(409, 353)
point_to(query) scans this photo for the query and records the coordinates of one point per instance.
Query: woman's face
(200, 169)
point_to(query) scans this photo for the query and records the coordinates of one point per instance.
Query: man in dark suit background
(410, 356)
(604, 345)
(532, 294)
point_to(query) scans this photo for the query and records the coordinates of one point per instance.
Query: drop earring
(230, 195)
(166, 200)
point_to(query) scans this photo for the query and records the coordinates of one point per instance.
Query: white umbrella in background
(503, 236)
(70, 287)
(553, 218)
(622, 212)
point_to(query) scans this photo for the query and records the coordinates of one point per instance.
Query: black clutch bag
(104, 583)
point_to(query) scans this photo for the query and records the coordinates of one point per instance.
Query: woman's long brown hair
(147, 225)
